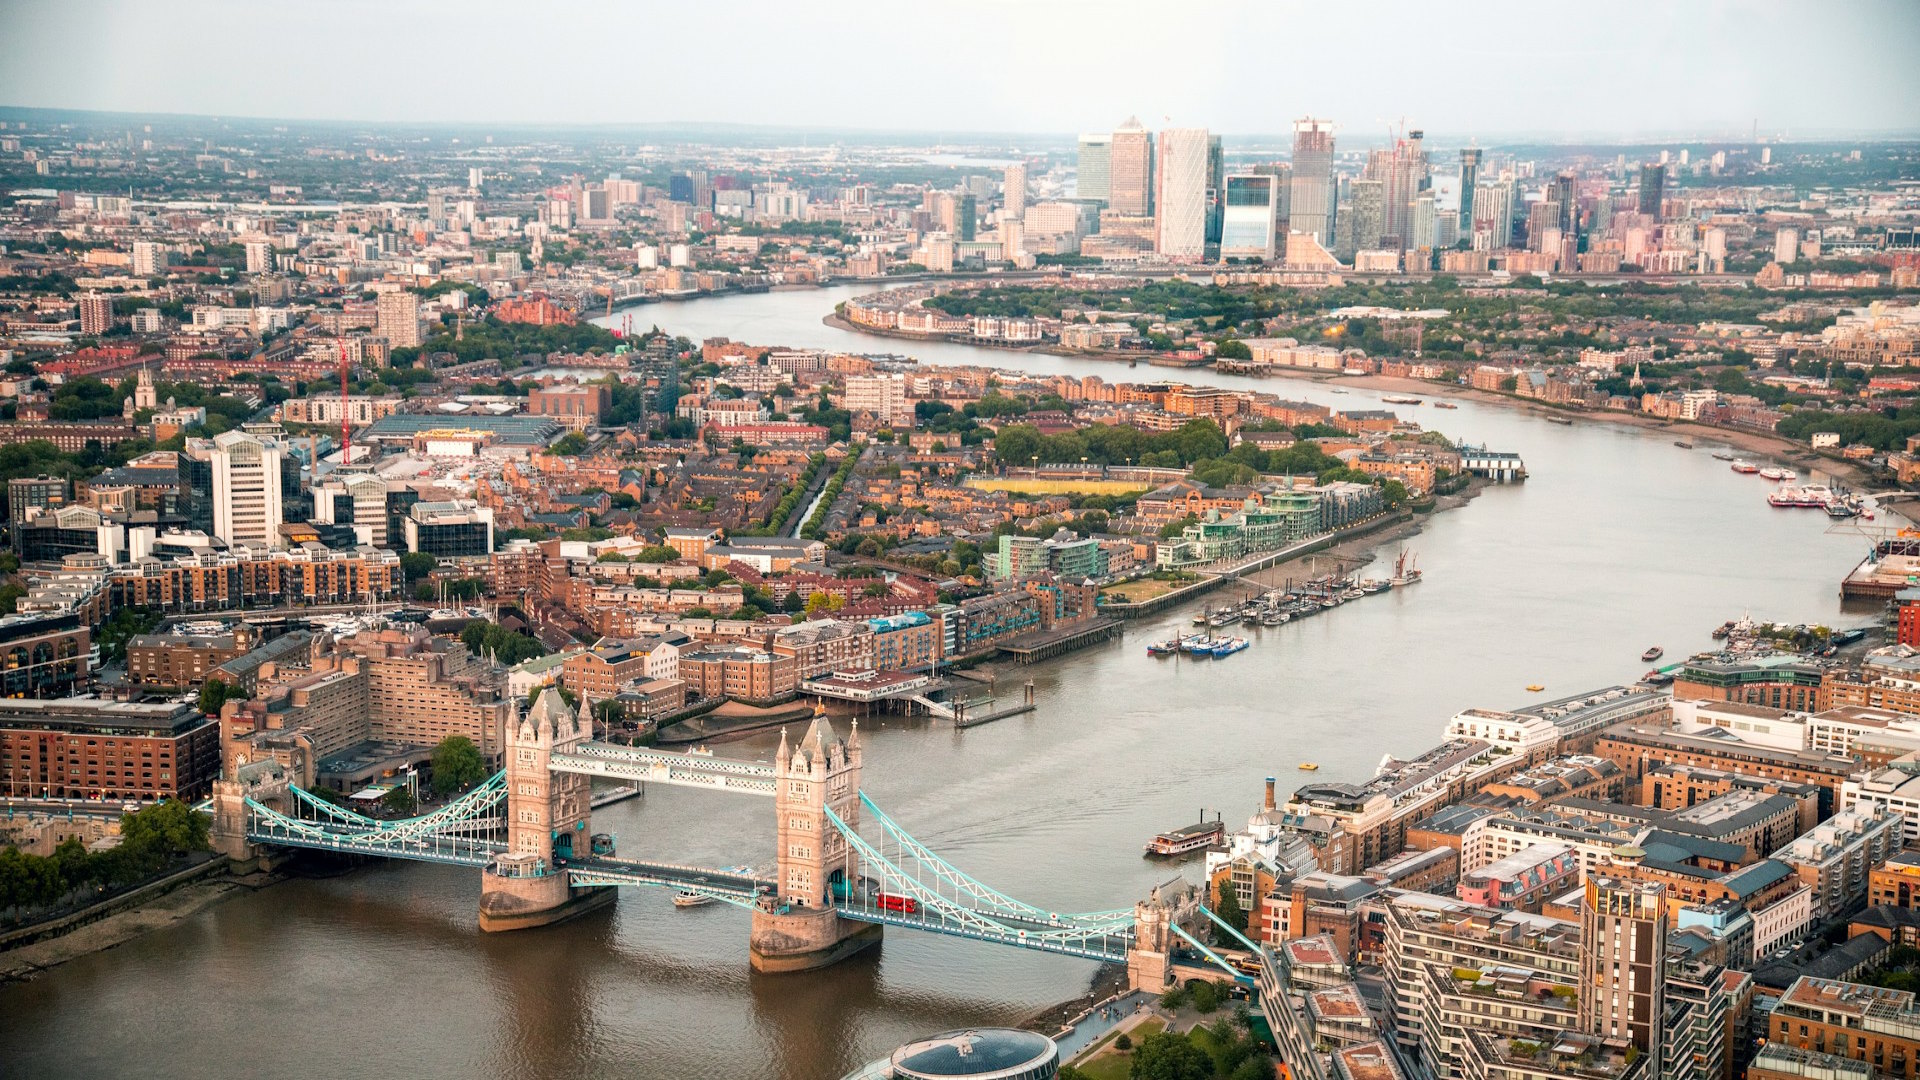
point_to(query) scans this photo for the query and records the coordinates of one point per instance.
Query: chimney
(1269, 793)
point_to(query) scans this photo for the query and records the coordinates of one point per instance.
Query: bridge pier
(547, 822)
(800, 930)
(228, 830)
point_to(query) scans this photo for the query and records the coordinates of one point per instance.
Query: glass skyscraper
(1248, 220)
(1310, 202)
(1093, 179)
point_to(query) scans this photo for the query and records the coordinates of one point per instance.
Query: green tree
(216, 692)
(572, 444)
(417, 565)
(1229, 908)
(1206, 996)
(457, 764)
(1164, 1055)
(398, 800)
(165, 829)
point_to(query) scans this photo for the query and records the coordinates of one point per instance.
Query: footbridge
(844, 869)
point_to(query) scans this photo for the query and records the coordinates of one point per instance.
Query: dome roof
(973, 1052)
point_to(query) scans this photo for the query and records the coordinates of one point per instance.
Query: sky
(1460, 69)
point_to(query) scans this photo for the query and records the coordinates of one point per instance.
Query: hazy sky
(1460, 68)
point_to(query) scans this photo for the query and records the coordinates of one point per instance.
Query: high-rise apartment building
(1493, 214)
(1469, 177)
(1652, 189)
(96, 313)
(1013, 204)
(397, 318)
(259, 257)
(150, 258)
(1564, 194)
(1310, 201)
(1180, 193)
(246, 490)
(1130, 170)
(1402, 173)
(1786, 245)
(1366, 217)
(1092, 180)
(1250, 218)
(1623, 969)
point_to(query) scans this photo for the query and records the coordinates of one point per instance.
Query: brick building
(83, 748)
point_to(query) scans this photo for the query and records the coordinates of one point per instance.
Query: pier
(1047, 644)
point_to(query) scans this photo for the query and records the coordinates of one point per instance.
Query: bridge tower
(801, 930)
(547, 819)
(1150, 959)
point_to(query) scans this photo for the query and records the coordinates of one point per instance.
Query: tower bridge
(844, 870)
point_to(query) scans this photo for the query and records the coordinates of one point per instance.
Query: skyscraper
(966, 216)
(1130, 170)
(1092, 180)
(246, 490)
(96, 313)
(1368, 218)
(1563, 193)
(1402, 173)
(1180, 193)
(1653, 183)
(1469, 176)
(1493, 213)
(1249, 217)
(1216, 188)
(1310, 200)
(1013, 205)
(1623, 969)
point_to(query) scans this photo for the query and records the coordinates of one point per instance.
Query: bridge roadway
(1022, 933)
(665, 767)
(735, 888)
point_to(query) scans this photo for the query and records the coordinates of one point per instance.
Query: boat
(1404, 571)
(1337, 390)
(1563, 421)
(1656, 677)
(1275, 618)
(1163, 648)
(694, 899)
(1745, 467)
(1775, 472)
(1308, 766)
(1683, 444)
(1375, 585)
(1198, 645)
(1534, 688)
(1445, 405)
(1652, 654)
(1839, 508)
(1722, 455)
(1188, 838)
(1811, 498)
(1229, 646)
(1400, 400)
(1723, 630)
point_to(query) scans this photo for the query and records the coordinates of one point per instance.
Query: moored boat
(1652, 654)
(1563, 421)
(1683, 444)
(1745, 467)
(1163, 648)
(1722, 455)
(1775, 472)
(1188, 838)
(1229, 646)
(1400, 400)
(1445, 405)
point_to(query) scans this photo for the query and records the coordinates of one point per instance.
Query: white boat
(1775, 472)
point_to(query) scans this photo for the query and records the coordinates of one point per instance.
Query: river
(1619, 541)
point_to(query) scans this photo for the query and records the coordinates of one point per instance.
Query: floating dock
(1892, 566)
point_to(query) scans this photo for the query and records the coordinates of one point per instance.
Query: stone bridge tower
(1150, 960)
(547, 819)
(800, 930)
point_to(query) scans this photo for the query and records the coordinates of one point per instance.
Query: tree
(1229, 908)
(1206, 997)
(1164, 1055)
(1232, 349)
(215, 693)
(165, 829)
(824, 603)
(457, 764)
(572, 444)
(416, 565)
(398, 800)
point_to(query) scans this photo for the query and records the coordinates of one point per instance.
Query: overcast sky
(1460, 68)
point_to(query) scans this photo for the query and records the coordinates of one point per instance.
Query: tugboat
(1652, 654)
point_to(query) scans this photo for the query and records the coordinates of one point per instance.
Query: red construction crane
(346, 432)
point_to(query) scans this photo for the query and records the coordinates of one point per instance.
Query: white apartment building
(883, 395)
(398, 319)
(246, 490)
(1835, 857)
(1180, 201)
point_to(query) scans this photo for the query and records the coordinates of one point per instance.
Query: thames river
(1620, 540)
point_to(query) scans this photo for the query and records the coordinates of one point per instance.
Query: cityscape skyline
(1681, 73)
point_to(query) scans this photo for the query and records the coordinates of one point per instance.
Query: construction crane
(346, 432)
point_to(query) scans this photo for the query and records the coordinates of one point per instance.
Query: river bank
(169, 909)
(1743, 440)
